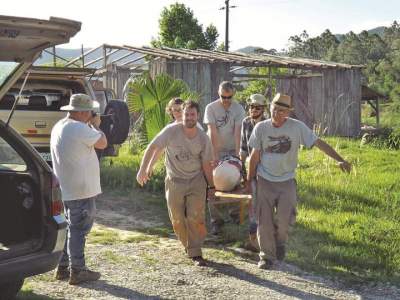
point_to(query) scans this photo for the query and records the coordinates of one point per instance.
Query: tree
(149, 97)
(180, 29)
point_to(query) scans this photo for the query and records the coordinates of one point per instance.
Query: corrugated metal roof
(236, 58)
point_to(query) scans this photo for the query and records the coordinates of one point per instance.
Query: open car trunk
(20, 215)
(21, 204)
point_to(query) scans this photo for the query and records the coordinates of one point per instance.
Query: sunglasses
(177, 110)
(226, 97)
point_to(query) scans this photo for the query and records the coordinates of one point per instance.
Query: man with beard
(256, 106)
(275, 144)
(188, 163)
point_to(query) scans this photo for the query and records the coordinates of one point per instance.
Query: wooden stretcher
(233, 197)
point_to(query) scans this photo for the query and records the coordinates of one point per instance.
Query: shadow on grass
(232, 271)
(29, 295)
(116, 291)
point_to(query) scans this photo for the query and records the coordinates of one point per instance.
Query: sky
(263, 23)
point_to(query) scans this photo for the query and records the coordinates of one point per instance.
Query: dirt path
(139, 258)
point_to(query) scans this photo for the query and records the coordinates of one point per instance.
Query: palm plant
(148, 98)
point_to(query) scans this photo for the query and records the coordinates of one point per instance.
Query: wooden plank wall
(202, 77)
(331, 101)
(115, 78)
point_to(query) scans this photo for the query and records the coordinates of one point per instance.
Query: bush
(384, 138)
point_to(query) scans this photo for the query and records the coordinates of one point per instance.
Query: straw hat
(81, 102)
(282, 101)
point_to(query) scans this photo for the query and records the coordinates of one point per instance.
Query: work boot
(265, 264)
(199, 261)
(280, 252)
(62, 273)
(78, 276)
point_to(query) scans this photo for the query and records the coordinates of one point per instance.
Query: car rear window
(10, 160)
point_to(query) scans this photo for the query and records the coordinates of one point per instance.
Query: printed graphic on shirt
(280, 144)
(222, 121)
(183, 155)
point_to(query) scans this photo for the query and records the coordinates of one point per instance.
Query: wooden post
(54, 56)
(104, 56)
(83, 57)
(377, 112)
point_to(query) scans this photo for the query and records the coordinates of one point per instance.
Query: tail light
(56, 203)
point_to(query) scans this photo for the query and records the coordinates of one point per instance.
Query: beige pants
(276, 202)
(186, 207)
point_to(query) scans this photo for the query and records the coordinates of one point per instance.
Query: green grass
(27, 293)
(104, 236)
(347, 225)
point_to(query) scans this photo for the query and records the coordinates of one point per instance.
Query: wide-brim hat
(257, 99)
(283, 101)
(81, 102)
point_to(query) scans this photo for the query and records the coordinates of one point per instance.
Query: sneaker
(62, 273)
(265, 264)
(199, 261)
(280, 252)
(84, 275)
(216, 228)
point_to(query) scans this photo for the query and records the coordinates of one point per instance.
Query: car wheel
(10, 290)
(115, 122)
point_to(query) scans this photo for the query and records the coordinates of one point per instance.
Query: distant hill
(65, 53)
(378, 30)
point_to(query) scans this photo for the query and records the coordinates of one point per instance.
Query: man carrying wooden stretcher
(275, 143)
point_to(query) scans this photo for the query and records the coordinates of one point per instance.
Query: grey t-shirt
(183, 156)
(226, 121)
(279, 147)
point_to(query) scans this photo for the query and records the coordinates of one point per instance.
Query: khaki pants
(276, 202)
(186, 207)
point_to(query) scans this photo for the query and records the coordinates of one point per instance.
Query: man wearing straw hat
(73, 142)
(274, 158)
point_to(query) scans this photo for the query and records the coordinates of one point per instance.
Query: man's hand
(345, 166)
(142, 177)
(211, 194)
(247, 187)
(95, 121)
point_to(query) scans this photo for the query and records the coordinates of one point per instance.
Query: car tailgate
(34, 126)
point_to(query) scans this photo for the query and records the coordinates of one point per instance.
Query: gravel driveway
(140, 261)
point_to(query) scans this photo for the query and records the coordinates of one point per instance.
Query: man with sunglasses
(274, 158)
(223, 118)
(256, 104)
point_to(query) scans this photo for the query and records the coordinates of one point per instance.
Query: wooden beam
(84, 54)
(133, 60)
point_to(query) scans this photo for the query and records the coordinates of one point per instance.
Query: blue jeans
(80, 218)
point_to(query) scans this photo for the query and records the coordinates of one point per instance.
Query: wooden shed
(326, 95)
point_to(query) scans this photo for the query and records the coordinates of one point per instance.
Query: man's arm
(102, 141)
(143, 174)
(254, 160)
(238, 128)
(214, 136)
(328, 150)
(208, 169)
